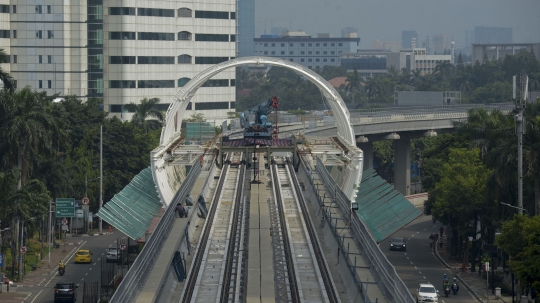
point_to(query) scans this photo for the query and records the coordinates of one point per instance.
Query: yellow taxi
(83, 256)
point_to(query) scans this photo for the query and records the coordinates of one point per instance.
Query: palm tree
(354, 82)
(6, 77)
(146, 114)
(25, 127)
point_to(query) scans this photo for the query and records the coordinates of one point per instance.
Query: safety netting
(132, 209)
(382, 208)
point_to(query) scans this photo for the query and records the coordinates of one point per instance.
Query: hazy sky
(385, 19)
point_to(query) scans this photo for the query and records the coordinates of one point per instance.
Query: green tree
(354, 83)
(519, 238)
(6, 77)
(146, 114)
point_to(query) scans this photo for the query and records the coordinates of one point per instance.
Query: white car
(112, 254)
(426, 293)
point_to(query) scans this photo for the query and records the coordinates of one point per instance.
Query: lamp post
(520, 130)
(100, 175)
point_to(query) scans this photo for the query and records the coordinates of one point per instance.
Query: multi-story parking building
(303, 49)
(122, 50)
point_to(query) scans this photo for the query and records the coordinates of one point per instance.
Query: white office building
(122, 50)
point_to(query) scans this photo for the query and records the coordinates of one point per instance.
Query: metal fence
(136, 277)
(382, 270)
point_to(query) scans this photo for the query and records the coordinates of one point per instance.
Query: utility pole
(100, 175)
(49, 231)
(520, 130)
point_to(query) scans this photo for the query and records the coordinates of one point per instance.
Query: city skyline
(386, 19)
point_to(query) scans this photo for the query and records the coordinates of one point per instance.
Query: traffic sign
(23, 249)
(65, 207)
(64, 221)
(122, 246)
(85, 201)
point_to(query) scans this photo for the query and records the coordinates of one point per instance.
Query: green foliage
(519, 238)
(497, 92)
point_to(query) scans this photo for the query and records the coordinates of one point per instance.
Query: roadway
(77, 273)
(418, 264)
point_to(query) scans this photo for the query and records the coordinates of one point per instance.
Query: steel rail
(233, 247)
(197, 261)
(321, 262)
(295, 296)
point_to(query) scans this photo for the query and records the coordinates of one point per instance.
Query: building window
(317, 60)
(14, 34)
(122, 84)
(212, 37)
(49, 83)
(266, 52)
(186, 36)
(317, 44)
(317, 52)
(332, 44)
(309, 52)
(183, 81)
(185, 12)
(309, 44)
(302, 52)
(302, 60)
(122, 35)
(291, 53)
(211, 105)
(121, 59)
(122, 11)
(211, 15)
(14, 9)
(283, 52)
(325, 52)
(233, 15)
(155, 83)
(302, 44)
(233, 38)
(38, 11)
(50, 34)
(49, 11)
(49, 59)
(4, 33)
(292, 60)
(155, 36)
(332, 52)
(40, 84)
(309, 60)
(324, 60)
(15, 83)
(310, 67)
(325, 44)
(340, 44)
(184, 59)
(273, 45)
(216, 83)
(282, 44)
(155, 12)
(155, 60)
(273, 52)
(14, 58)
(40, 59)
(291, 44)
(210, 60)
(4, 9)
(233, 82)
(266, 45)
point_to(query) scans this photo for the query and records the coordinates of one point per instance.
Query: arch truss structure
(175, 114)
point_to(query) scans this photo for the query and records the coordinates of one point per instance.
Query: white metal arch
(176, 111)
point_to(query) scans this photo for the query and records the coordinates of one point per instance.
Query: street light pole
(49, 236)
(100, 175)
(520, 130)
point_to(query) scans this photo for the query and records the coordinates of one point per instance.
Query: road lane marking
(424, 277)
(411, 262)
(95, 263)
(420, 272)
(415, 267)
(86, 274)
(36, 296)
(407, 258)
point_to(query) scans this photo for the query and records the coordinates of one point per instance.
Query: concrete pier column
(402, 165)
(367, 148)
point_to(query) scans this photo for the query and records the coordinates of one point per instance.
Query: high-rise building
(123, 53)
(246, 28)
(492, 35)
(392, 46)
(409, 39)
(441, 44)
(348, 31)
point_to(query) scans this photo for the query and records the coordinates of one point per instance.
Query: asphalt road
(77, 273)
(418, 264)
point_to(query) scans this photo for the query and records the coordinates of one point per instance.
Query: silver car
(426, 293)
(112, 254)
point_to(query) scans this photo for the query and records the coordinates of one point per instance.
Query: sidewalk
(471, 280)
